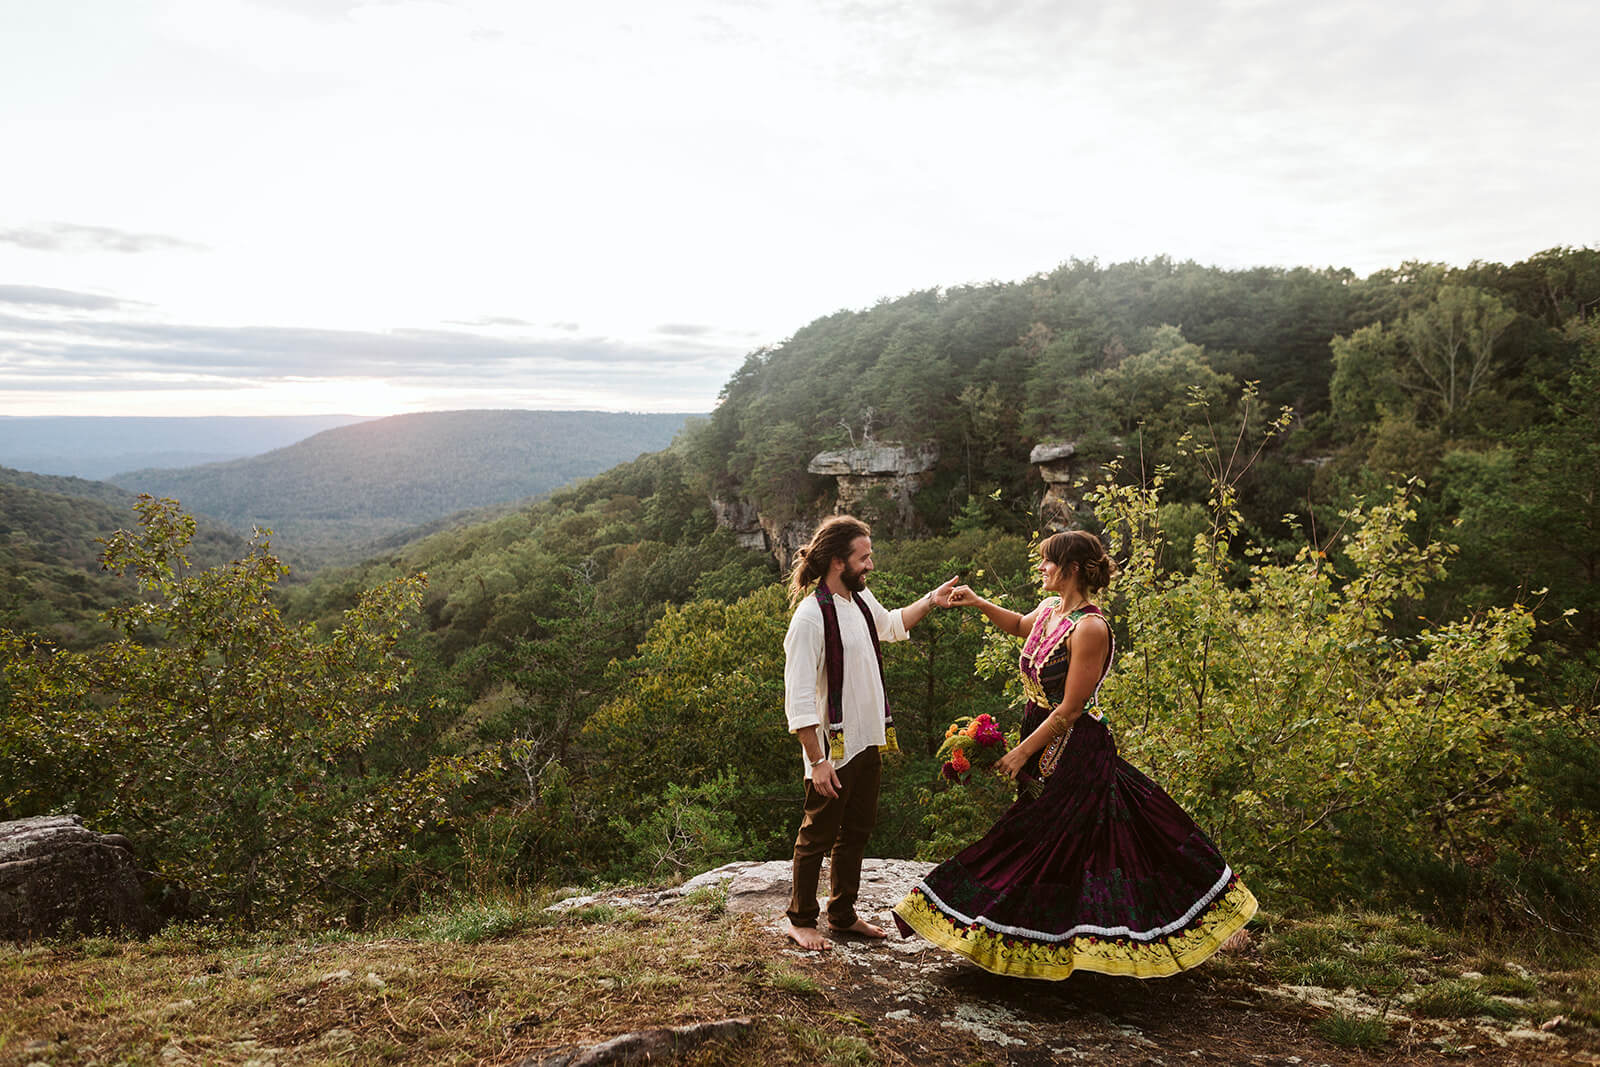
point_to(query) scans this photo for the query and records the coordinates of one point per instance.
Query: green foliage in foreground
(1336, 749)
(229, 744)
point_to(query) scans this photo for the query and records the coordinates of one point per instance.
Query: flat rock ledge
(761, 888)
(55, 875)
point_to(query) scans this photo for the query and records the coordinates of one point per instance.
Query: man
(835, 701)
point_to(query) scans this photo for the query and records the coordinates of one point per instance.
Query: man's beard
(855, 581)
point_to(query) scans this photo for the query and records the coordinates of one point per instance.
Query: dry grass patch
(488, 987)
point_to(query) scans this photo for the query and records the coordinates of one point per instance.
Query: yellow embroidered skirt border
(1023, 958)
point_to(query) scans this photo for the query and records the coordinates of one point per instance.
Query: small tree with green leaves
(229, 745)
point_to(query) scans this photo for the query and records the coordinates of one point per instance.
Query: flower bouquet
(978, 740)
(969, 803)
(971, 738)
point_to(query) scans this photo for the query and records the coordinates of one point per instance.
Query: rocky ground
(927, 1006)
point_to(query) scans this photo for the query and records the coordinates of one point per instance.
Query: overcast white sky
(310, 206)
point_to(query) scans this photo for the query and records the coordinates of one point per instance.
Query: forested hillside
(1358, 635)
(51, 580)
(329, 495)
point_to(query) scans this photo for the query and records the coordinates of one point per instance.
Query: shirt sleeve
(802, 663)
(891, 624)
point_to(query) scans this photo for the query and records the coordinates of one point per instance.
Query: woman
(1100, 870)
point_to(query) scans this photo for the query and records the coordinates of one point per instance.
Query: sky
(259, 207)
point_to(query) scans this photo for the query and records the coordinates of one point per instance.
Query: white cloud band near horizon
(271, 205)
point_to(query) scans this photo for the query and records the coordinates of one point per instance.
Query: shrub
(230, 744)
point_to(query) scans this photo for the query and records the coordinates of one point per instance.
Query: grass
(1461, 999)
(788, 980)
(710, 900)
(473, 923)
(484, 981)
(503, 980)
(1351, 1031)
(1398, 961)
(1372, 953)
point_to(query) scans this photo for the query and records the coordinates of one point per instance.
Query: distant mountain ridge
(98, 447)
(345, 488)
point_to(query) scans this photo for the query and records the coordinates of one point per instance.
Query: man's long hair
(831, 542)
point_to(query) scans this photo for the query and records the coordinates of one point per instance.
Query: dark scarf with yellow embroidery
(833, 658)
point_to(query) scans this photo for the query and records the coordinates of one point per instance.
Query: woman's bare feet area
(862, 928)
(808, 937)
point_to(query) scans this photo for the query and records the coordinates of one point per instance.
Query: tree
(229, 744)
(1366, 378)
(1530, 510)
(1450, 345)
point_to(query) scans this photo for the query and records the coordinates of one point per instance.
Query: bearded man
(836, 705)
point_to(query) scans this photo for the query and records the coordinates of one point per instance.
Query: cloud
(40, 297)
(72, 237)
(38, 352)
(491, 320)
(684, 329)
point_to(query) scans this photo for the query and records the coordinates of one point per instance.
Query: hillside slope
(330, 494)
(50, 576)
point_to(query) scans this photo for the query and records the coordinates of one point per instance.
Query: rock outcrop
(1054, 460)
(763, 533)
(740, 517)
(761, 888)
(56, 874)
(877, 481)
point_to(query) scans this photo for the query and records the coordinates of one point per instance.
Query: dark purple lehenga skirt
(1102, 871)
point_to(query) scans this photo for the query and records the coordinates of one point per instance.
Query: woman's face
(1054, 576)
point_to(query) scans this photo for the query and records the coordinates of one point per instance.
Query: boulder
(658, 1045)
(55, 874)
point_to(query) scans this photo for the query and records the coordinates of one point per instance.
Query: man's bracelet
(824, 758)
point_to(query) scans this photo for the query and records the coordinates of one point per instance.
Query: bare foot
(808, 937)
(1238, 942)
(862, 928)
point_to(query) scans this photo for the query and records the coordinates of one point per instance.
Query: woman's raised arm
(1008, 621)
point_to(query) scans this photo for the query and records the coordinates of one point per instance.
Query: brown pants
(840, 825)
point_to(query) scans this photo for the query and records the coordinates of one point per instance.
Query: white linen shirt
(805, 672)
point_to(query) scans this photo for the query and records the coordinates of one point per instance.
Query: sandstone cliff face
(740, 516)
(877, 482)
